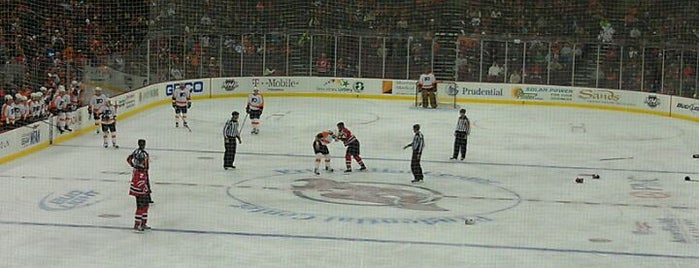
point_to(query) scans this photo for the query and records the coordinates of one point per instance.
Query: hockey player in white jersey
(321, 151)
(96, 102)
(254, 108)
(21, 109)
(181, 101)
(107, 115)
(8, 113)
(37, 108)
(61, 104)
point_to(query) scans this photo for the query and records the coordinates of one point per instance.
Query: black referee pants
(415, 166)
(460, 143)
(229, 154)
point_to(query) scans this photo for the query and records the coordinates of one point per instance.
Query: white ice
(517, 182)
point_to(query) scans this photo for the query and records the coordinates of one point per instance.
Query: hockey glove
(189, 104)
(174, 105)
(247, 109)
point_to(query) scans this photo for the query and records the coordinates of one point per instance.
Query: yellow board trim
(141, 108)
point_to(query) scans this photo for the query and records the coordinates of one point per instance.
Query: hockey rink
(68, 205)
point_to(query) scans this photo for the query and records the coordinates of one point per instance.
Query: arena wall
(36, 136)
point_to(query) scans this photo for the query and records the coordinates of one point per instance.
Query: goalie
(427, 86)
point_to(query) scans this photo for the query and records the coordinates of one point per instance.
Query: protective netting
(634, 45)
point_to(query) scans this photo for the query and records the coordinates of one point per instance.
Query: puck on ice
(595, 176)
(687, 178)
(579, 180)
(469, 222)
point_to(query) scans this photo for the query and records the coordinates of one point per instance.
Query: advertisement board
(23, 138)
(466, 90)
(399, 87)
(197, 86)
(19, 141)
(685, 108)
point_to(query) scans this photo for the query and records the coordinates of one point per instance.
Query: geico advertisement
(195, 86)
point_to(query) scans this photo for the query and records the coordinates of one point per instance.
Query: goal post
(446, 95)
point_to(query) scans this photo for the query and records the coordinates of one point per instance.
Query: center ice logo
(379, 196)
(368, 194)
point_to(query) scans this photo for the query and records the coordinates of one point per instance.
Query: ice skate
(416, 180)
(363, 168)
(106, 145)
(329, 169)
(115, 146)
(348, 170)
(68, 129)
(315, 171)
(177, 124)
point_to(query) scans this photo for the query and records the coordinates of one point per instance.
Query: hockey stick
(242, 125)
(417, 92)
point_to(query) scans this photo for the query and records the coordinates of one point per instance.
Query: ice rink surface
(68, 205)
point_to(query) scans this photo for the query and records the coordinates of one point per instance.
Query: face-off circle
(378, 196)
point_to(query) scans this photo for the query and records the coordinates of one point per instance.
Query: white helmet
(98, 89)
(42, 88)
(8, 97)
(61, 88)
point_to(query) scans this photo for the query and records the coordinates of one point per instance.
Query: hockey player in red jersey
(140, 187)
(352, 144)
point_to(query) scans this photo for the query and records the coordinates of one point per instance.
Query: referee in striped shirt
(418, 144)
(463, 129)
(231, 132)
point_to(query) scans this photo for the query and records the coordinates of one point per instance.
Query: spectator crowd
(47, 45)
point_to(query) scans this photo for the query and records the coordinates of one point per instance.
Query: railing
(648, 67)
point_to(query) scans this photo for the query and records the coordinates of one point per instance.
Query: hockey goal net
(445, 97)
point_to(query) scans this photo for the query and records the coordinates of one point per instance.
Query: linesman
(231, 133)
(418, 144)
(463, 129)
